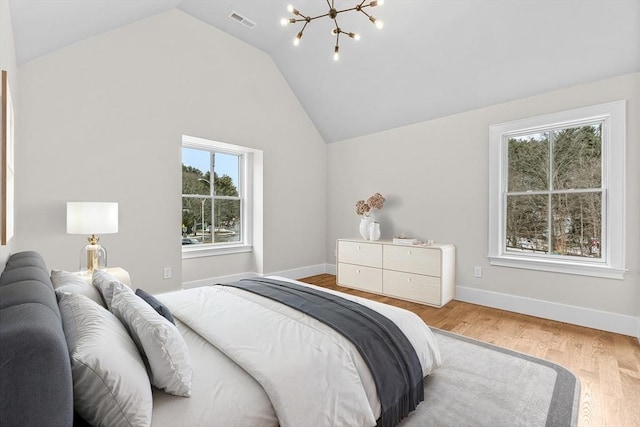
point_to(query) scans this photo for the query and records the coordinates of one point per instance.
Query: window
(557, 192)
(216, 191)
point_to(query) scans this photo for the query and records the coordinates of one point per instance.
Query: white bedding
(322, 381)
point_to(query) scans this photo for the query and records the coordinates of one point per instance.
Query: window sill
(200, 251)
(582, 269)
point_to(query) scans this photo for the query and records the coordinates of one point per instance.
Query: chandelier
(332, 14)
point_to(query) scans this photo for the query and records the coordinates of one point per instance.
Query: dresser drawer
(356, 276)
(412, 259)
(413, 287)
(369, 254)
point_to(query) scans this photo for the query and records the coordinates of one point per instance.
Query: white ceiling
(432, 58)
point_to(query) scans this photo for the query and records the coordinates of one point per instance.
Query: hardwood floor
(607, 364)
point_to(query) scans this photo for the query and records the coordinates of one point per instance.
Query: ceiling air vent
(242, 20)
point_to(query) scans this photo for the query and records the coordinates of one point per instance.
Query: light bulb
(354, 36)
(290, 8)
(334, 31)
(379, 24)
(296, 41)
(380, 2)
(336, 53)
(284, 22)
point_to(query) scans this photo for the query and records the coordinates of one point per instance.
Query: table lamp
(92, 218)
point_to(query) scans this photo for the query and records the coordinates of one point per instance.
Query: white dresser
(424, 274)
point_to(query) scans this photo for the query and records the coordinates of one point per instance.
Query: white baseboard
(331, 269)
(219, 279)
(606, 321)
(295, 273)
(298, 273)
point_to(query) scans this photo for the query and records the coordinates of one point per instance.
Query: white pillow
(105, 282)
(158, 339)
(110, 382)
(71, 283)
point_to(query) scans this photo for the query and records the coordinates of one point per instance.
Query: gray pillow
(105, 282)
(162, 309)
(158, 339)
(110, 382)
(72, 283)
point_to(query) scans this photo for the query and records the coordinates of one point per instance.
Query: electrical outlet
(477, 271)
(166, 273)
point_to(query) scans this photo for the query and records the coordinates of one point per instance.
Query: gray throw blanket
(387, 352)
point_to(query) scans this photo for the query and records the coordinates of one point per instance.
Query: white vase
(374, 231)
(364, 226)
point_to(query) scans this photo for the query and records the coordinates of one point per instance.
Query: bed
(236, 350)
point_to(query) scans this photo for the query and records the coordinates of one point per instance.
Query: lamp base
(93, 257)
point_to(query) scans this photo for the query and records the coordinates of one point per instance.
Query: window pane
(196, 220)
(196, 166)
(577, 157)
(226, 173)
(227, 221)
(577, 224)
(529, 162)
(526, 223)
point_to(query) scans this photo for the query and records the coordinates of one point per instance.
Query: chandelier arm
(338, 30)
(316, 17)
(368, 16)
(347, 10)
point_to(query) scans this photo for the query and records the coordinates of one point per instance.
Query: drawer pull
(409, 253)
(409, 280)
(358, 271)
(359, 248)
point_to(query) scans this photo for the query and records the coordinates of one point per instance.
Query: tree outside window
(211, 208)
(554, 194)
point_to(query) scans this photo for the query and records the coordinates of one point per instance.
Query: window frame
(612, 263)
(245, 192)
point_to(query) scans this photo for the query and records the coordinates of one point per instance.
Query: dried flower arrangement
(364, 208)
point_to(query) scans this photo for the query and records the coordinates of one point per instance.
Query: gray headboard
(35, 372)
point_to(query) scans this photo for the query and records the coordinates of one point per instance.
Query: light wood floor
(607, 364)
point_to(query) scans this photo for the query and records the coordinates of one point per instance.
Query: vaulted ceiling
(432, 58)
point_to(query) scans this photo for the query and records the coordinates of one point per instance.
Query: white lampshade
(92, 217)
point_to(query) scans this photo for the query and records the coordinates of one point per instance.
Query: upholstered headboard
(35, 372)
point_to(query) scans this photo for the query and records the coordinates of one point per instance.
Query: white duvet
(257, 362)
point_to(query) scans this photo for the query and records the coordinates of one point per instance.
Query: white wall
(435, 177)
(102, 120)
(8, 63)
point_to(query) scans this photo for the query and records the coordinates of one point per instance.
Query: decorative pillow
(110, 382)
(162, 309)
(105, 282)
(158, 339)
(71, 283)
